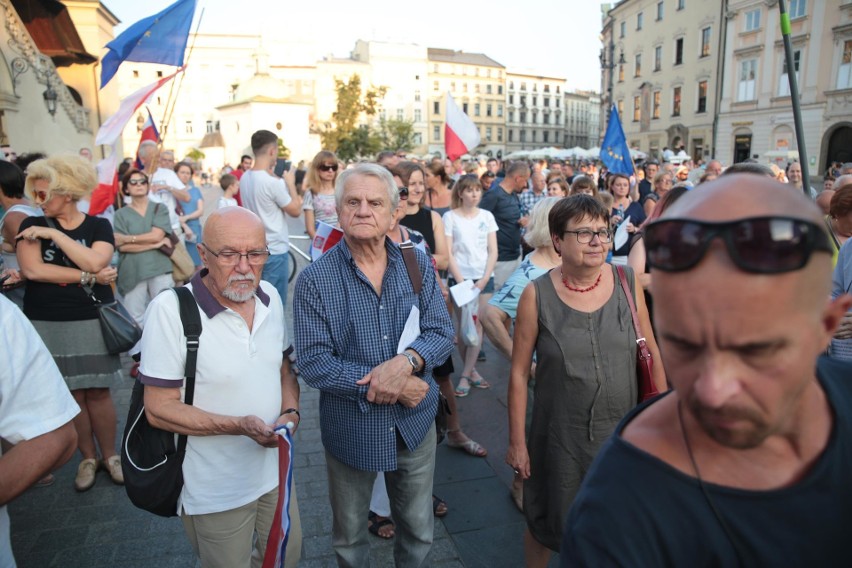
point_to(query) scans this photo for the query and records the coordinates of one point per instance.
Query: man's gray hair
(370, 170)
(146, 147)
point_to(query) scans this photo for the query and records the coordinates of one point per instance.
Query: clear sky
(550, 37)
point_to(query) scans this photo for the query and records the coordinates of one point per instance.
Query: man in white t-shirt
(270, 197)
(244, 388)
(36, 413)
(166, 187)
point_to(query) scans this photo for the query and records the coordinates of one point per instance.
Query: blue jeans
(276, 271)
(410, 492)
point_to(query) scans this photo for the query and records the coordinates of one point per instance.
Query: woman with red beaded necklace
(577, 320)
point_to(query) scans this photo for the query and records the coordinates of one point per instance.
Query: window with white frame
(436, 133)
(844, 73)
(658, 57)
(659, 11)
(637, 69)
(623, 29)
(784, 79)
(640, 17)
(747, 80)
(681, 4)
(705, 42)
(752, 20)
(417, 115)
(798, 9)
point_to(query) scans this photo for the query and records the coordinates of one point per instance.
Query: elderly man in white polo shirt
(244, 387)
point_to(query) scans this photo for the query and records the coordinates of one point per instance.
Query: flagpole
(173, 102)
(794, 97)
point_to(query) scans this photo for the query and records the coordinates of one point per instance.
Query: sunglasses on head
(328, 168)
(765, 245)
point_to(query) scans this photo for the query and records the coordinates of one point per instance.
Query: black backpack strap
(191, 321)
(410, 258)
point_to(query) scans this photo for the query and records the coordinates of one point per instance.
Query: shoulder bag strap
(410, 259)
(640, 339)
(191, 321)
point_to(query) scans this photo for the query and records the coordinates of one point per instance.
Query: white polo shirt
(238, 374)
(34, 398)
(265, 195)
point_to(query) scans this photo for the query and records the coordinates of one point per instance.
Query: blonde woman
(318, 203)
(57, 261)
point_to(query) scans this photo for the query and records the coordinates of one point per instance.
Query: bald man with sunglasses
(748, 460)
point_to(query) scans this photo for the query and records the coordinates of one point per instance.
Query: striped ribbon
(276, 545)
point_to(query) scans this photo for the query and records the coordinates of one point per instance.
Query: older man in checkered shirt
(377, 406)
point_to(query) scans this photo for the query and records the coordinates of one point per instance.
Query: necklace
(581, 290)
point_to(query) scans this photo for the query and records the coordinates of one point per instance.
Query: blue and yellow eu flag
(615, 154)
(160, 38)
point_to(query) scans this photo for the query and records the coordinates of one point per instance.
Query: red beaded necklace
(581, 290)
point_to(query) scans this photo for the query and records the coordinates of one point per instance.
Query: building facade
(661, 65)
(756, 118)
(535, 113)
(49, 100)
(477, 84)
(582, 119)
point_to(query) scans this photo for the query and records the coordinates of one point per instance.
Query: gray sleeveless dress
(585, 383)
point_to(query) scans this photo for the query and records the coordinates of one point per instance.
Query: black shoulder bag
(416, 278)
(151, 461)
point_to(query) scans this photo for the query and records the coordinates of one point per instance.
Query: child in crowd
(230, 185)
(472, 239)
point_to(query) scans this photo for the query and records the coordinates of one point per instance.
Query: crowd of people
(550, 256)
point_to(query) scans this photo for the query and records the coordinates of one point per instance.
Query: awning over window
(53, 31)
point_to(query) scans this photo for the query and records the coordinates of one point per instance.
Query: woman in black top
(58, 254)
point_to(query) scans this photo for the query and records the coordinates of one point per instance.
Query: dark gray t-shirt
(636, 510)
(506, 208)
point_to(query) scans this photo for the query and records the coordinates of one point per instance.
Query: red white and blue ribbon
(276, 545)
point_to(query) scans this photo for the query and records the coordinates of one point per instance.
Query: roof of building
(53, 32)
(452, 56)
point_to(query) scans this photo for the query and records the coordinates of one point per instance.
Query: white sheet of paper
(411, 331)
(621, 234)
(464, 292)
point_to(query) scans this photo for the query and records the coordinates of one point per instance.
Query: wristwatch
(412, 360)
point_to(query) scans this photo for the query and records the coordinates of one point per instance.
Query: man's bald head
(228, 222)
(823, 200)
(753, 195)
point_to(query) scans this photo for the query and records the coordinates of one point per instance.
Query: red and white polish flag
(279, 534)
(327, 236)
(460, 133)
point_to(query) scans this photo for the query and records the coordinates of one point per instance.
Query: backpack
(151, 461)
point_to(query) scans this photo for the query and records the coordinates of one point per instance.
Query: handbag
(120, 330)
(183, 267)
(151, 460)
(644, 361)
(443, 411)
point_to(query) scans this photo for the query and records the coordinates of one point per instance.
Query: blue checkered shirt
(528, 199)
(343, 330)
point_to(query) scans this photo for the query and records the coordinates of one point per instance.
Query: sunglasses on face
(138, 181)
(403, 192)
(328, 168)
(764, 245)
(40, 196)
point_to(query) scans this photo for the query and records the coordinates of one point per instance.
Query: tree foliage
(397, 134)
(348, 136)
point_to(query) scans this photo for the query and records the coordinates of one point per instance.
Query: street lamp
(50, 98)
(610, 64)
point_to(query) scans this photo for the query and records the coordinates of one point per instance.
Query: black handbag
(120, 330)
(151, 460)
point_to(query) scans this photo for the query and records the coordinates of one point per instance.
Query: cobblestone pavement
(57, 527)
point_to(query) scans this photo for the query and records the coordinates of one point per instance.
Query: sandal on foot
(439, 507)
(479, 383)
(464, 387)
(469, 446)
(375, 526)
